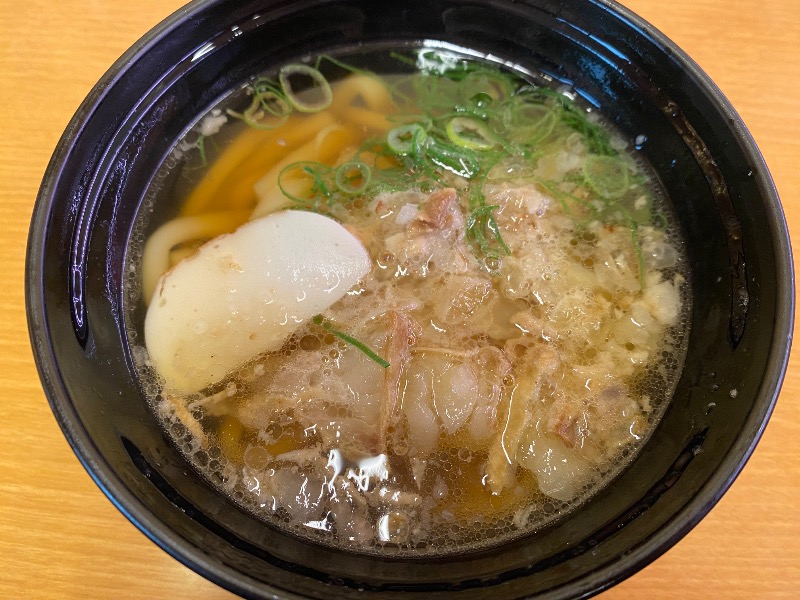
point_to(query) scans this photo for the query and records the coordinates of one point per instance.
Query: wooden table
(60, 538)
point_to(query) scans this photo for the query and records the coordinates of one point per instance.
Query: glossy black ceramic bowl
(724, 198)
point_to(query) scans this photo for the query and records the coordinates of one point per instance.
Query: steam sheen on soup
(418, 313)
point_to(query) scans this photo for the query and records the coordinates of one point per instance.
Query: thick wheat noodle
(269, 182)
(246, 149)
(241, 147)
(331, 142)
(155, 258)
(365, 117)
(374, 93)
(275, 199)
(236, 177)
(178, 253)
(237, 191)
(310, 151)
(239, 188)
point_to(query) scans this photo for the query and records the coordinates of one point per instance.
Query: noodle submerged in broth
(416, 314)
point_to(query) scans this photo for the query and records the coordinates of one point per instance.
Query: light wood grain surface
(60, 538)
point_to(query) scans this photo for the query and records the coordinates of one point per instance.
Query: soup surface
(417, 313)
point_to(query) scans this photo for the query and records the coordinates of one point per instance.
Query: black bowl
(725, 201)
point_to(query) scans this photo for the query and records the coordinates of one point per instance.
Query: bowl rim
(240, 583)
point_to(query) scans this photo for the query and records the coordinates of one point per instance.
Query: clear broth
(597, 357)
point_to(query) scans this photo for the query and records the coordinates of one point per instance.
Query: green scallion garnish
(368, 352)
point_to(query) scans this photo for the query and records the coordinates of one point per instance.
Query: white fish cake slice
(245, 293)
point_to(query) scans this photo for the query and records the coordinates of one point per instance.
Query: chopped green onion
(607, 175)
(353, 177)
(368, 352)
(315, 172)
(533, 123)
(660, 220)
(400, 139)
(419, 141)
(460, 161)
(597, 140)
(274, 103)
(497, 84)
(561, 196)
(343, 65)
(267, 110)
(201, 149)
(466, 120)
(321, 87)
(480, 222)
(633, 227)
(469, 133)
(436, 92)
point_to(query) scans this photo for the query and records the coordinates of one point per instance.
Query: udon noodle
(418, 313)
